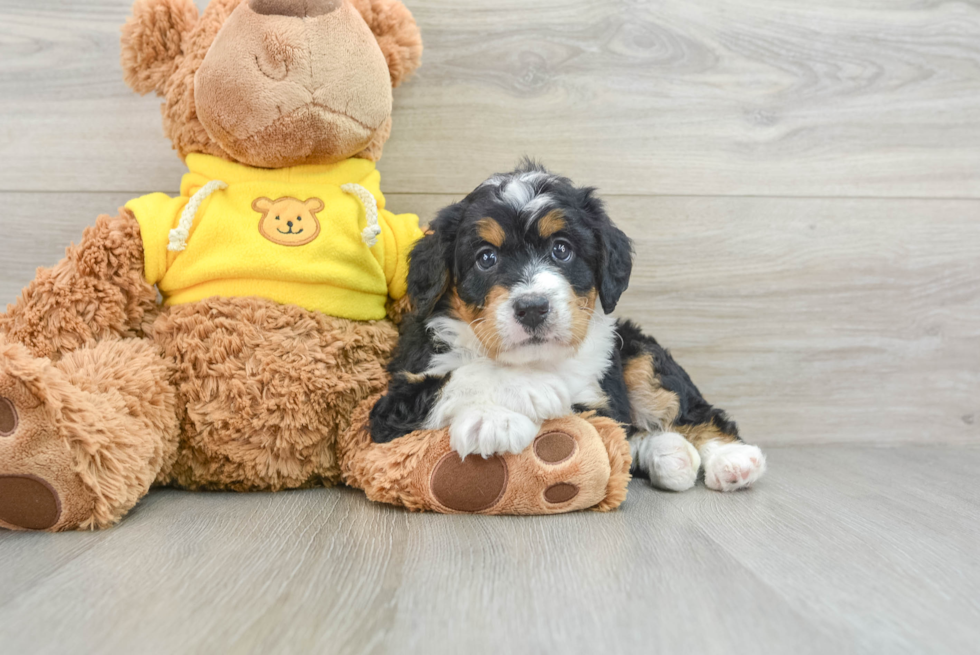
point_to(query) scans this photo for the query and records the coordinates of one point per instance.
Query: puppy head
(523, 260)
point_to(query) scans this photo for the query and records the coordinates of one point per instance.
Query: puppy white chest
(506, 400)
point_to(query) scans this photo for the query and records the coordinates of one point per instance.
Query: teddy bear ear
(152, 41)
(397, 34)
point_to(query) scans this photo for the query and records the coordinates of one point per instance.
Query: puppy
(512, 291)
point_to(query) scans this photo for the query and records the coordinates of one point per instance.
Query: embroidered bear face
(289, 221)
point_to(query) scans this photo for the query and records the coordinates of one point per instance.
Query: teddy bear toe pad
(554, 447)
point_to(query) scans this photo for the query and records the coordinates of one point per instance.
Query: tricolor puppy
(512, 292)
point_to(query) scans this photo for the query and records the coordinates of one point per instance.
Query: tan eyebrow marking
(491, 232)
(553, 221)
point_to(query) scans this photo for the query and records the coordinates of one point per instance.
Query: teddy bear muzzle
(274, 91)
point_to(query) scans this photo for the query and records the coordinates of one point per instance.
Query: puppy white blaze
(543, 282)
(536, 205)
(494, 406)
(517, 194)
(533, 176)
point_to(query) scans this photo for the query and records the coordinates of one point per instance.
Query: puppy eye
(561, 251)
(277, 218)
(299, 218)
(486, 258)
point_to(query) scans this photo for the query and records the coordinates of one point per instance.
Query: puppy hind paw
(732, 466)
(669, 459)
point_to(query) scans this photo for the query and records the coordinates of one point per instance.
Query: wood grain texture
(746, 97)
(811, 321)
(839, 549)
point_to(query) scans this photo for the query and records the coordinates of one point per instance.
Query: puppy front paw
(540, 401)
(487, 431)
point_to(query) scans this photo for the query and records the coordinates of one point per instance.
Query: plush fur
(96, 292)
(266, 389)
(514, 287)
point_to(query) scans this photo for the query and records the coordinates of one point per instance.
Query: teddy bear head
(273, 83)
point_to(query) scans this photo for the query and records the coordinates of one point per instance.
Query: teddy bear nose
(297, 8)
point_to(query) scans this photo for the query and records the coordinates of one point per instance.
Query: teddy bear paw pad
(473, 484)
(28, 502)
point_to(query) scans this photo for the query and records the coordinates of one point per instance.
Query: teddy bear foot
(81, 441)
(575, 463)
(38, 488)
(565, 469)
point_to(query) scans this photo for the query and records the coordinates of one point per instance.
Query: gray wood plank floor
(840, 549)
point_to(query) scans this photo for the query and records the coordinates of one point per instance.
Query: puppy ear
(152, 40)
(616, 252)
(397, 34)
(617, 268)
(429, 264)
(428, 274)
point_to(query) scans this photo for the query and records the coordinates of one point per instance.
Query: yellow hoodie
(298, 236)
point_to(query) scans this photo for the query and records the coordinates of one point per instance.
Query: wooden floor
(802, 179)
(841, 549)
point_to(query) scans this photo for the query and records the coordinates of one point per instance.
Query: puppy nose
(297, 8)
(531, 311)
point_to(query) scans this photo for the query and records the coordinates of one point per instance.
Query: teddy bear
(236, 336)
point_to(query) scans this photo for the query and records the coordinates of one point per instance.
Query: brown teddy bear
(282, 275)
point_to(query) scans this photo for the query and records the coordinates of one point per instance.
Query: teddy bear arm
(97, 291)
